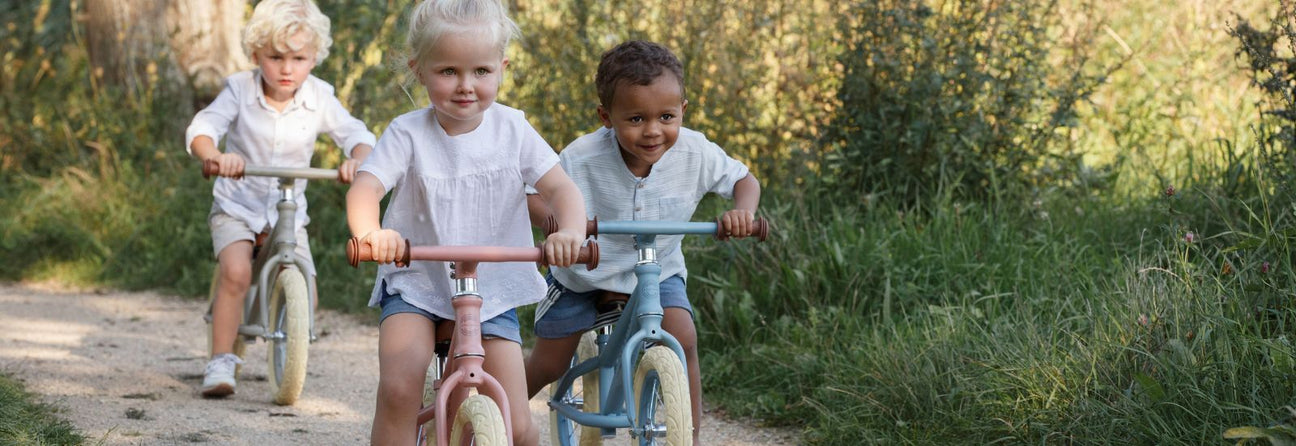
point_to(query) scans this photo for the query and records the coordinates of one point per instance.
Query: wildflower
(1228, 269)
(1264, 268)
(1169, 191)
(1189, 237)
(1143, 320)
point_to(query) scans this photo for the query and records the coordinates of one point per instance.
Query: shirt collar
(306, 95)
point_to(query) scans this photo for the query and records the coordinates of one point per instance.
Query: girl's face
(282, 73)
(462, 74)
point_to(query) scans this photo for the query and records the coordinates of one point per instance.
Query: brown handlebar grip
(591, 228)
(210, 168)
(550, 225)
(760, 229)
(589, 255)
(359, 252)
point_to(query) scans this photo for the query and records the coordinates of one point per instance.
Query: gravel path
(125, 368)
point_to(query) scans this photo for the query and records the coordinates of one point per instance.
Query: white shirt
(461, 190)
(264, 136)
(691, 168)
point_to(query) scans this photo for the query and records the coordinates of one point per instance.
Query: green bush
(966, 95)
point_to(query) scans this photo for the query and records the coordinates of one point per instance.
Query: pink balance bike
(481, 419)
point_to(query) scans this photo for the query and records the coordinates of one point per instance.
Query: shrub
(963, 96)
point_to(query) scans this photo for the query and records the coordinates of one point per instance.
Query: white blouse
(460, 190)
(267, 137)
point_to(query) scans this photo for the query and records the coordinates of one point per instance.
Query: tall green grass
(1093, 319)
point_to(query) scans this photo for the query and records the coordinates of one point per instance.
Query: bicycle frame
(463, 369)
(282, 248)
(638, 326)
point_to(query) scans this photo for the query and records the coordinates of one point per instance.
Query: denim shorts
(504, 326)
(574, 312)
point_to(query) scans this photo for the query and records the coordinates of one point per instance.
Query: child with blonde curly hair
(269, 116)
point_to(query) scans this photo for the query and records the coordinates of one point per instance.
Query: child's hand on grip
(562, 248)
(738, 222)
(385, 244)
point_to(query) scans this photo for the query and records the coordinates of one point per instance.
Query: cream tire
(290, 314)
(483, 416)
(662, 395)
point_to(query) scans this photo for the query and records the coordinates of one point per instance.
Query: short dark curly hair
(635, 62)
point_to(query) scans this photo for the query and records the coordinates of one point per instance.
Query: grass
(1070, 320)
(24, 422)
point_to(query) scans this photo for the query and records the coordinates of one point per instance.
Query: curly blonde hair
(275, 22)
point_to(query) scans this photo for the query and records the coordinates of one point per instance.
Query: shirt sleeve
(347, 131)
(390, 157)
(720, 172)
(214, 120)
(535, 156)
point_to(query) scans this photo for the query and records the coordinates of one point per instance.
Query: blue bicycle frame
(638, 327)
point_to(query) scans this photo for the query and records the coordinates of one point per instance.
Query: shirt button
(641, 185)
(638, 208)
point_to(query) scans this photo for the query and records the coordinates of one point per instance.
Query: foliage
(759, 73)
(24, 422)
(956, 94)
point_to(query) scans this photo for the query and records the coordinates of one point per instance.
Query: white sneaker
(218, 379)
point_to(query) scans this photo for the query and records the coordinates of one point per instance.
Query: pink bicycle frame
(464, 367)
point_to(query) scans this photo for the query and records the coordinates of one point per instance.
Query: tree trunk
(174, 46)
(208, 41)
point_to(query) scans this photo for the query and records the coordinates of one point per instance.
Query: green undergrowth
(1160, 319)
(26, 423)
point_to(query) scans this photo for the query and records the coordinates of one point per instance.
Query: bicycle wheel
(290, 328)
(662, 395)
(563, 431)
(240, 346)
(480, 414)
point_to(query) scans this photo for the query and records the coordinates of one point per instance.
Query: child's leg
(227, 311)
(504, 362)
(548, 361)
(568, 315)
(405, 346)
(679, 323)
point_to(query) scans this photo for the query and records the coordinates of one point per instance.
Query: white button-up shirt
(693, 167)
(264, 136)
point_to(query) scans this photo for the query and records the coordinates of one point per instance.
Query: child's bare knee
(236, 272)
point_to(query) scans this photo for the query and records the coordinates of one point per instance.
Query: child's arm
(204, 149)
(347, 171)
(568, 207)
(362, 216)
(737, 222)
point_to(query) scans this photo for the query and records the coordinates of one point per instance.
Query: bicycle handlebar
(211, 167)
(760, 228)
(359, 252)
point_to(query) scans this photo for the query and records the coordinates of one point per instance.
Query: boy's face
(646, 119)
(462, 74)
(283, 73)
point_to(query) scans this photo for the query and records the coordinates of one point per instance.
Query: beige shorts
(226, 229)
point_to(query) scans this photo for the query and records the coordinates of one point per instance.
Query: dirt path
(126, 366)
